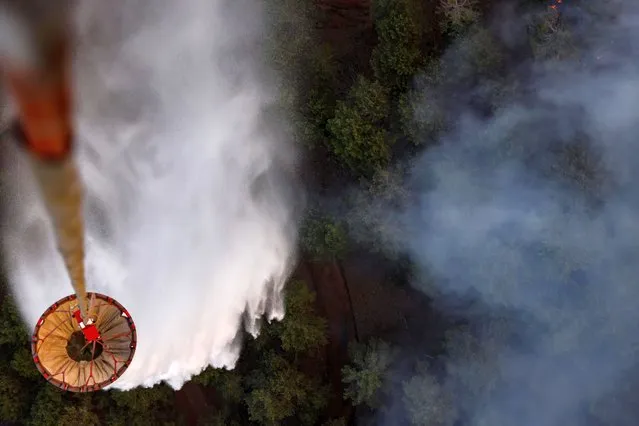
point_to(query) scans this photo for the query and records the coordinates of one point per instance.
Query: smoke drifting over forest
(189, 214)
(532, 212)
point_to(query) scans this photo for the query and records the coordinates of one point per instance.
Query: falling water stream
(188, 210)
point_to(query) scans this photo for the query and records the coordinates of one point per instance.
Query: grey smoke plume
(534, 210)
(190, 212)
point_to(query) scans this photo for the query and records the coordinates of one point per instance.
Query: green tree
(358, 139)
(78, 415)
(388, 186)
(301, 330)
(319, 102)
(365, 375)
(475, 55)
(304, 64)
(426, 401)
(47, 407)
(279, 391)
(397, 56)
(550, 39)
(473, 366)
(422, 117)
(323, 238)
(14, 397)
(216, 418)
(144, 406)
(227, 382)
(288, 37)
(371, 218)
(143, 399)
(22, 363)
(13, 331)
(289, 34)
(458, 14)
(480, 52)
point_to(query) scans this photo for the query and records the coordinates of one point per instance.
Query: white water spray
(189, 223)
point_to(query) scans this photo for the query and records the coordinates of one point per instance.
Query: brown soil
(344, 18)
(191, 403)
(347, 27)
(358, 301)
(333, 303)
(378, 305)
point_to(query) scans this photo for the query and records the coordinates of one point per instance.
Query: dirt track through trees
(333, 303)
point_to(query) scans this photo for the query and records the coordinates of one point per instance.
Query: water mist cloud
(189, 212)
(534, 211)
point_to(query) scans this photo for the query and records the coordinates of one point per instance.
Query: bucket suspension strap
(44, 110)
(62, 192)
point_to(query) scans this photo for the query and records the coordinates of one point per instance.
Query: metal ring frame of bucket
(107, 360)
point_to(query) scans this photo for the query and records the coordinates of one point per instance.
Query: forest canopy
(362, 107)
